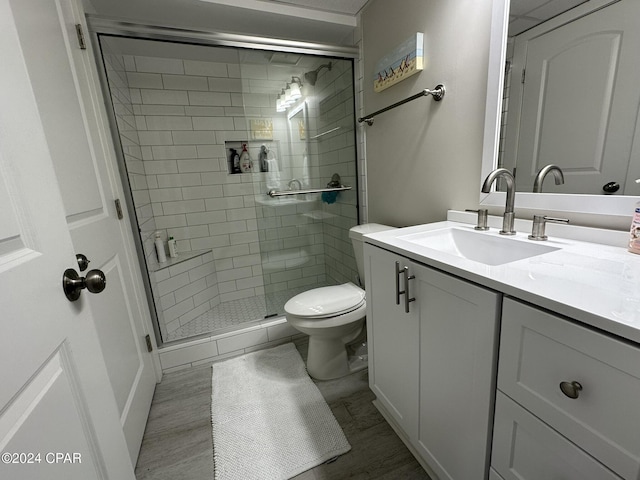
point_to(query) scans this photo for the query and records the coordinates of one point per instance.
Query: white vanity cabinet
(393, 341)
(568, 401)
(433, 368)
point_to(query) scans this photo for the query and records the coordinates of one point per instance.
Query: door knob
(73, 284)
(611, 187)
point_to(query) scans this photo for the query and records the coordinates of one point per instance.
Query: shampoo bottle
(634, 233)
(234, 160)
(173, 251)
(245, 160)
(162, 256)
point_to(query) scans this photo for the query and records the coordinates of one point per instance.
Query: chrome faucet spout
(508, 218)
(553, 169)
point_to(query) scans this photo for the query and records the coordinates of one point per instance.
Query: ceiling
(526, 14)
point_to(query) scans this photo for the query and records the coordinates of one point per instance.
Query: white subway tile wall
(116, 68)
(177, 119)
(188, 291)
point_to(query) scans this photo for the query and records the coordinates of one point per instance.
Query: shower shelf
(182, 257)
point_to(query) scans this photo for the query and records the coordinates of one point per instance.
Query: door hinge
(80, 33)
(524, 74)
(119, 209)
(147, 339)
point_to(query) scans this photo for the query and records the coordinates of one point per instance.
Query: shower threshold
(236, 314)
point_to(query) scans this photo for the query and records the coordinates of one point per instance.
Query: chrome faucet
(557, 174)
(295, 180)
(508, 218)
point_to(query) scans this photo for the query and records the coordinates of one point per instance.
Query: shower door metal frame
(99, 25)
(103, 25)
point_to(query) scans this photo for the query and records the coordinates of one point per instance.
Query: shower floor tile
(227, 315)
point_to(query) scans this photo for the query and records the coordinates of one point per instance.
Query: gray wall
(424, 157)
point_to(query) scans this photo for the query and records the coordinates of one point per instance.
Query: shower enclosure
(185, 116)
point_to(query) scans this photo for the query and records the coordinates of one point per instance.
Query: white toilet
(333, 317)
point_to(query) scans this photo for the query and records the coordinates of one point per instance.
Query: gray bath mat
(270, 421)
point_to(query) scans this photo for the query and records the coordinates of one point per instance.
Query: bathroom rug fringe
(269, 419)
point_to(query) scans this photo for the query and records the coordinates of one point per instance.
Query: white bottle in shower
(162, 256)
(173, 250)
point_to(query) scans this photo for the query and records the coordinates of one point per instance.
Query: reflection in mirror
(577, 108)
(299, 146)
(571, 96)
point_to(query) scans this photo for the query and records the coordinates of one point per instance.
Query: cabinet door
(393, 337)
(458, 339)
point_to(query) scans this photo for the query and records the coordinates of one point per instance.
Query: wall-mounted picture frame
(261, 129)
(403, 61)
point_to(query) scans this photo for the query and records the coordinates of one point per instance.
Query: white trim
(290, 10)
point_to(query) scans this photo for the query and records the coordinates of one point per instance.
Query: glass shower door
(304, 240)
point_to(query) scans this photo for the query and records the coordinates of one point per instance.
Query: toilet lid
(326, 301)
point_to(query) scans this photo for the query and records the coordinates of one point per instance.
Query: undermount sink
(482, 247)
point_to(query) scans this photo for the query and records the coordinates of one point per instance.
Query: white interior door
(580, 100)
(64, 83)
(58, 415)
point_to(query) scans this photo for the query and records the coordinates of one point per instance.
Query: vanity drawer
(539, 350)
(524, 448)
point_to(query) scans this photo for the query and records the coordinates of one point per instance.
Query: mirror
(575, 200)
(299, 145)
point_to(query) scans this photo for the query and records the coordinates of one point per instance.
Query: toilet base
(327, 359)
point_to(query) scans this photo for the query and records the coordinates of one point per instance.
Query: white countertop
(595, 283)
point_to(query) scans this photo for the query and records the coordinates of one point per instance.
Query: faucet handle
(539, 222)
(481, 223)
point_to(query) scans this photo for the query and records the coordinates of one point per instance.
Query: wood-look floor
(177, 443)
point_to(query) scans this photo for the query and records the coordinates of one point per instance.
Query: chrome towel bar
(276, 193)
(324, 133)
(437, 93)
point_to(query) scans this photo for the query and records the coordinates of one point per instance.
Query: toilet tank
(356, 234)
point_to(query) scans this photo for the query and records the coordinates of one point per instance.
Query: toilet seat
(326, 302)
